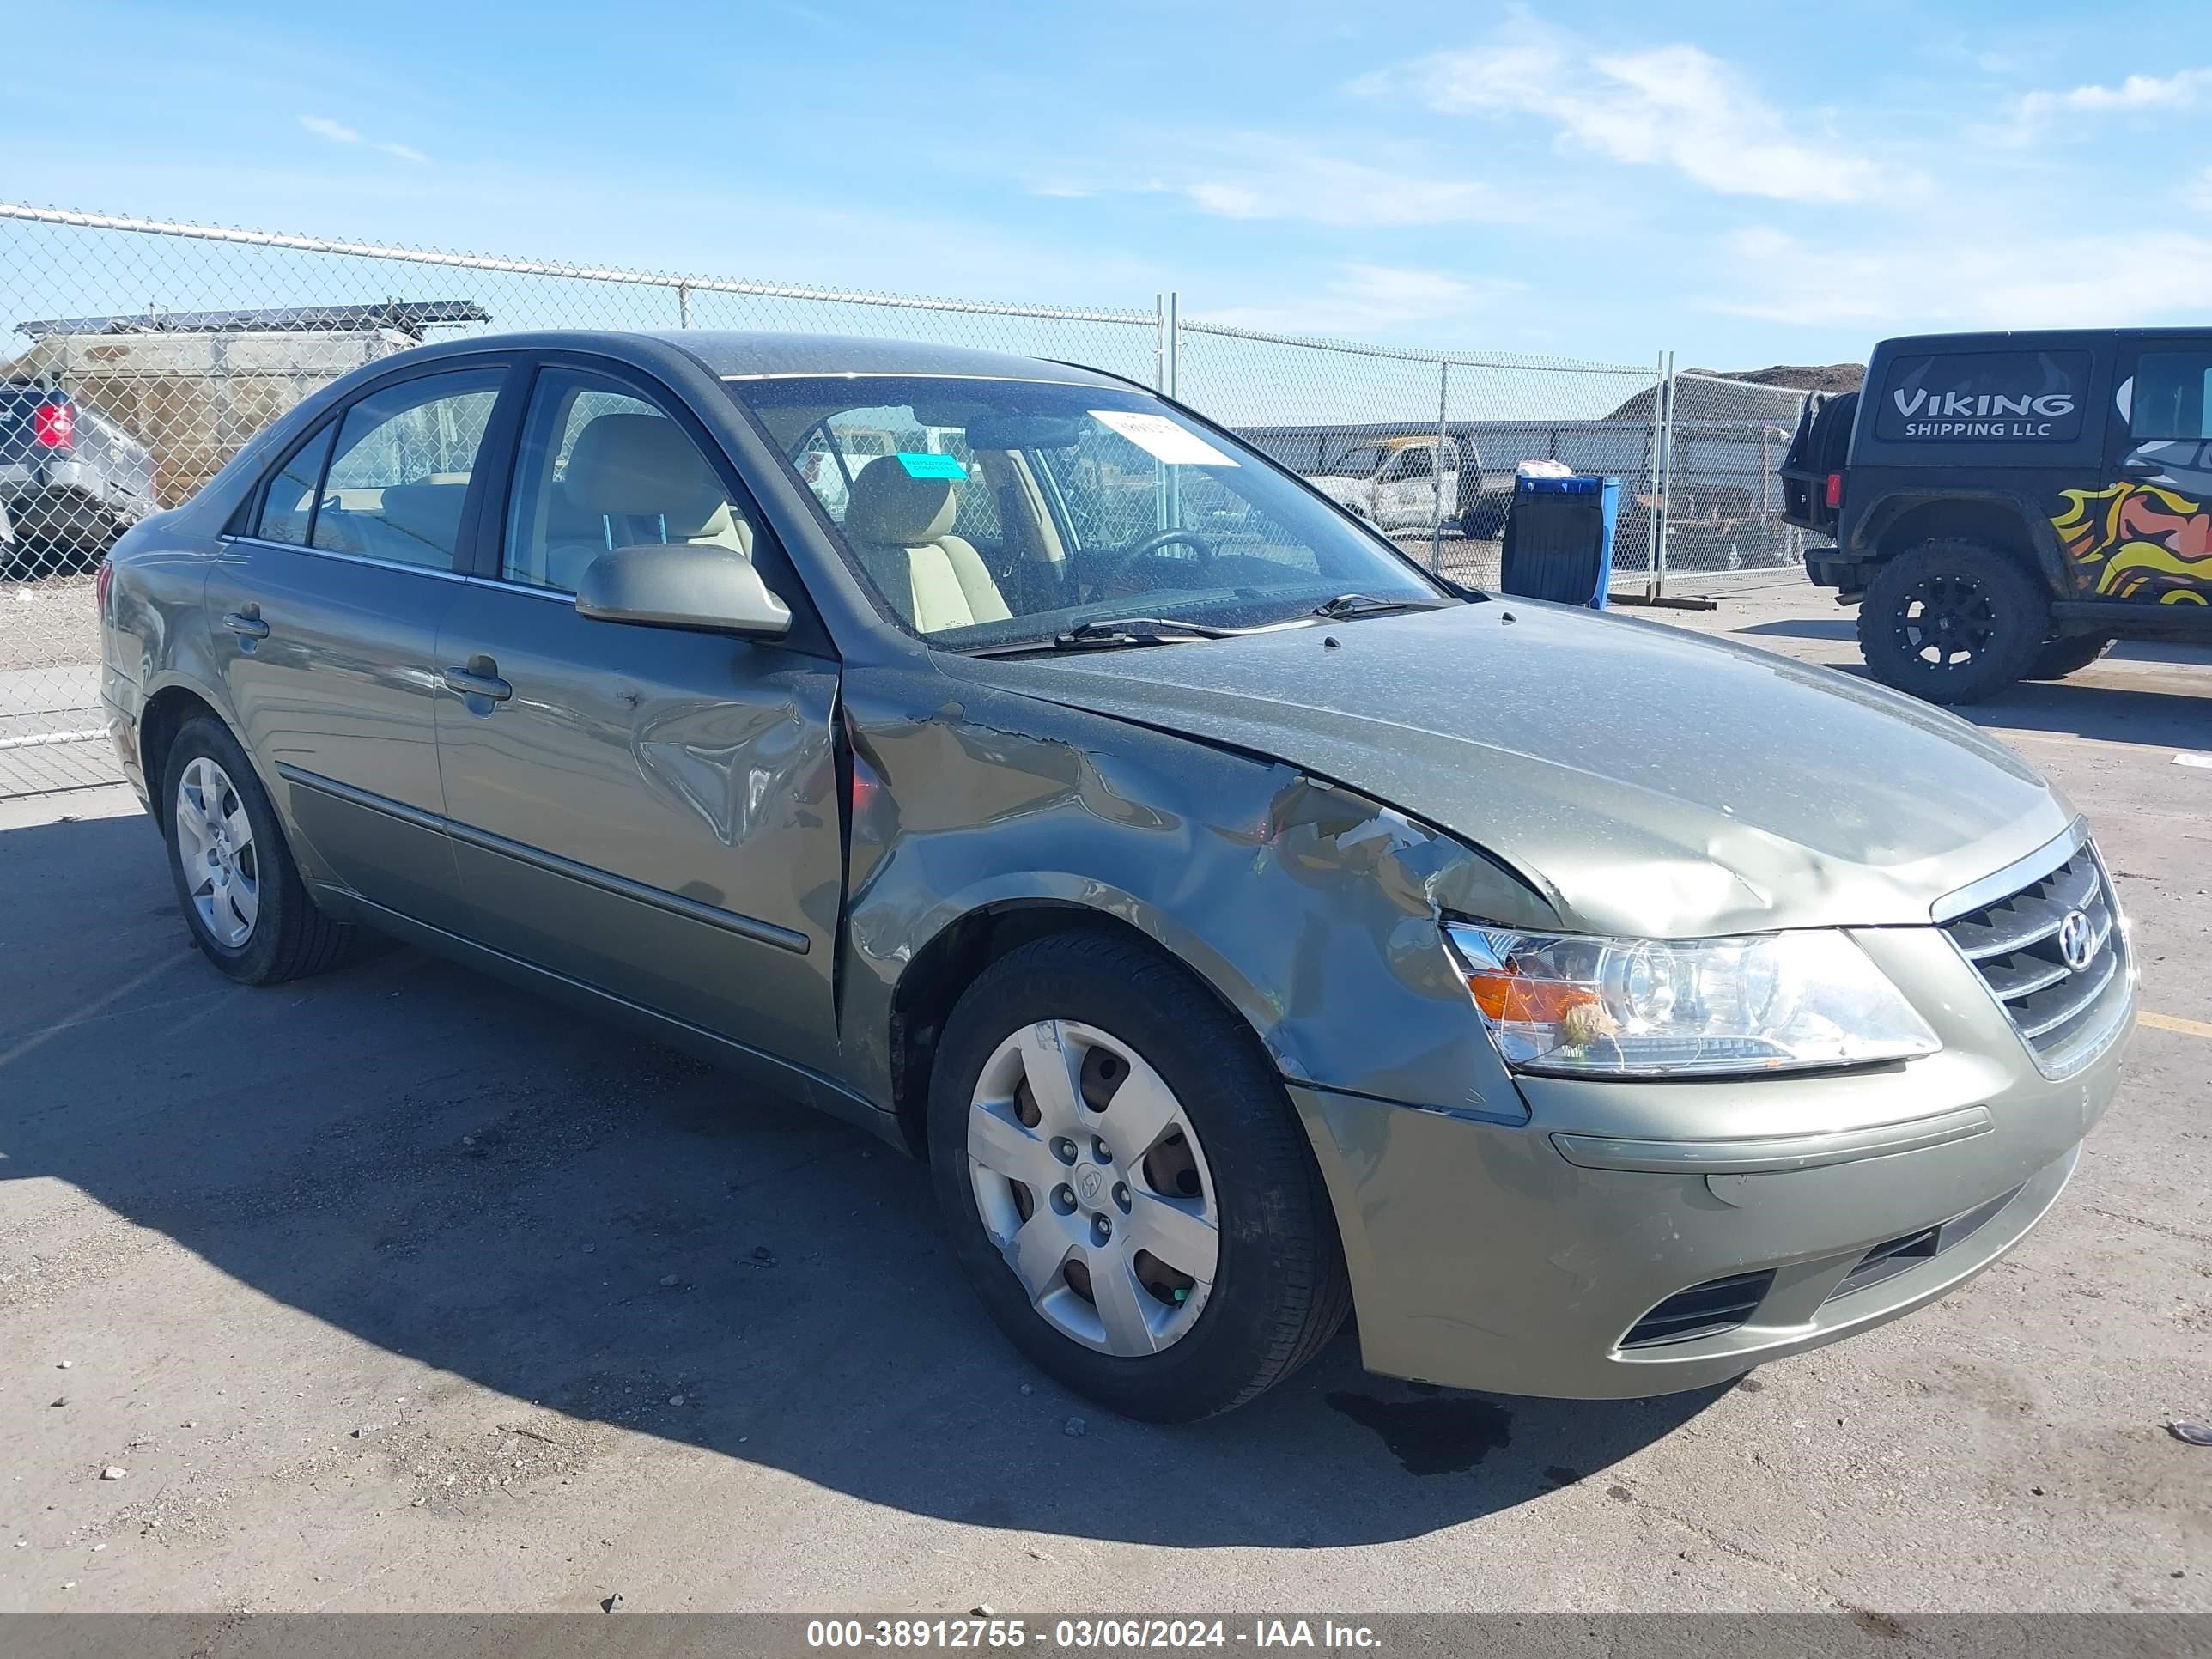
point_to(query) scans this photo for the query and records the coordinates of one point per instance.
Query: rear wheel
(1952, 620)
(242, 897)
(1126, 1183)
(2059, 657)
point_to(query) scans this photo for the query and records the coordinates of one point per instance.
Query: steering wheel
(1205, 546)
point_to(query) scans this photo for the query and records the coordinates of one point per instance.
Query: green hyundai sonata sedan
(1248, 928)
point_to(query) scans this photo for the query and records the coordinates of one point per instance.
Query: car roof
(2028, 339)
(734, 353)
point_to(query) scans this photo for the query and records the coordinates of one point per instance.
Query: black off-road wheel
(1952, 622)
(1127, 1184)
(2059, 657)
(248, 910)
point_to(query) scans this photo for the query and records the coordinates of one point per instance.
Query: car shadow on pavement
(488, 1184)
(2084, 706)
(1845, 627)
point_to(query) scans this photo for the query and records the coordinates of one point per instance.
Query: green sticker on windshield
(933, 467)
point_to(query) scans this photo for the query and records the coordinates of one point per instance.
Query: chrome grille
(2066, 1014)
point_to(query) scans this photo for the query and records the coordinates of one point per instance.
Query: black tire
(1981, 614)
(2059, 657)
(1279, 1292)
(290, 937)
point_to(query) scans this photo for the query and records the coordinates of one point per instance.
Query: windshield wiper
(1147, 630)
(1367, 604)
(1109, 633)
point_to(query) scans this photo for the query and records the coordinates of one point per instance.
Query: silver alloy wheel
(215, 844)
(1090, 1181)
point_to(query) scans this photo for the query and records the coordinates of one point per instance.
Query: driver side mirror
(710, 588)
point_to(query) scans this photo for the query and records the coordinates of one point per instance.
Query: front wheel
(1952, 620)
(1127, 1184)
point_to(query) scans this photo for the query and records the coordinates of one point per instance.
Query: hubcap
(1946, 621)
(1089, 1179)
(215, 845)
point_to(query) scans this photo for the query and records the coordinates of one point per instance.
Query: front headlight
(1615, 1007)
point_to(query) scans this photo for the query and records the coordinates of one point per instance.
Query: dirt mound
(1833, 377)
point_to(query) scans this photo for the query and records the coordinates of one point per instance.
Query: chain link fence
(1723, 498)
(137, 356)
(1425, 445)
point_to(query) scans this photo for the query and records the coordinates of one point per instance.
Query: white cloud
(2035, 113)
(1369, 299)
(1674, 106)
(1328, 189)
(2018, 278)
(2137, 92)
(1260, 175)
(338, 133)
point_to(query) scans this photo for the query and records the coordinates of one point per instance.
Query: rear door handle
(246, 622)
(479, 679)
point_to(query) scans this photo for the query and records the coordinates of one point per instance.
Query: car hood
(1646, 781)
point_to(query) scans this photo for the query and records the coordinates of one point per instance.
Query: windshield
(1363, 462)
(985, 512)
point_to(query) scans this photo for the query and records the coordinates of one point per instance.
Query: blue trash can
(1558, 539)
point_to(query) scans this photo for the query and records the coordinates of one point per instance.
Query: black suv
(2006, 506)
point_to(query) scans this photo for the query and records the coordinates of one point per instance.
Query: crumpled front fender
(1311, 909)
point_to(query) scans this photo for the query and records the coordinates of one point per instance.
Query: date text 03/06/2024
(984, 1631)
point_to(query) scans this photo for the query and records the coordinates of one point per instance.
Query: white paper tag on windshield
(1162, 439)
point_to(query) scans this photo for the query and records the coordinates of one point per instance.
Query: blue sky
(1743, 183)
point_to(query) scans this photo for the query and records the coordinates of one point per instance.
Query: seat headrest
(891, 508)
(430, 512)
(642, 467)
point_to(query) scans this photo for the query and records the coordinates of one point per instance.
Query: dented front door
(647, 811)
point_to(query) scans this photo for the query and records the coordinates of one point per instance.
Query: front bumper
(1482, 1256)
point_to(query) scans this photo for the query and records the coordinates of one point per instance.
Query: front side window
(602, 468)
(986, 512)
(401, 470)
(2170, 398)
(288, 507)
(1412, 462)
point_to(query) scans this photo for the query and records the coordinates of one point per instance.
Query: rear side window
(1985, 397)
(401, 470)
(289, 507)
(2170, 398)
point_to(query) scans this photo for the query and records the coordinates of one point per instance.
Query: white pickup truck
(1399, 483)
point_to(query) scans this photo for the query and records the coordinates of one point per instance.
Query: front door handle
(479, 679)
(246, 622)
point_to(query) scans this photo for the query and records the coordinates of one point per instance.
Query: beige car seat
(633, 479)
(900, 527)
